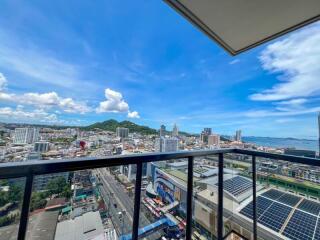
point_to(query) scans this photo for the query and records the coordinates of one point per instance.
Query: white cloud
(296, 58)
(133, 114)
(235, 61)
(23, 115)
(285, 120)
(40, 116)
(293, 102)
(3, 82)
(290, 105)
(114, 102)
(281, 113)
(46, 100)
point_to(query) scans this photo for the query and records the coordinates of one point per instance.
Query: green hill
(111, 125)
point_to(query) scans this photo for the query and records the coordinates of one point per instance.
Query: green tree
(3, 198)
(15, 193)
(38, 200)
(59, 186)
(67, 193)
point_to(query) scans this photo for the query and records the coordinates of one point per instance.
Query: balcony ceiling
(238, 25)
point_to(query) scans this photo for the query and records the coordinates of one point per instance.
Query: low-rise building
(84, 227)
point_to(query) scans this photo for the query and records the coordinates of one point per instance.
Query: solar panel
(301, 226)
(262, 205)
(237, 185)
(310, 206)
(289, 199)
(272, 194)
(275, 216)
(317, 232)
(274, 208)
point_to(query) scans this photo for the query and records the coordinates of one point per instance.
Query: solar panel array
(272, 194)
(237, 185)
(262, 205)
(310, 206)
(300, 226)
(276, 208)
(275, 216)
(289, 199)
(317, 232)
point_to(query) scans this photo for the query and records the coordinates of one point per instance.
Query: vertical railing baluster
(254, 192)
(25, 207)
(220, 198)
(189, 198)
(137, 198)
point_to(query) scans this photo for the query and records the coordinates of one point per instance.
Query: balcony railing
(30, 170)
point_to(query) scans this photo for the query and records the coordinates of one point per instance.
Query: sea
(304, 144)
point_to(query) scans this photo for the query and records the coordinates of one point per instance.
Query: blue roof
(149, 228)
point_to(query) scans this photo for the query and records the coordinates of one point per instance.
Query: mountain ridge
(107, 125)
(112, 124)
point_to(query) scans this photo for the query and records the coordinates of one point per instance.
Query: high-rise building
(166, 144)
(208, 131)
(41, 147)
(204, 137)
(175, 131)
(162, 131)
(238, 136)
(204, 134)
(122, 132)
(214, 140)
(25, 135)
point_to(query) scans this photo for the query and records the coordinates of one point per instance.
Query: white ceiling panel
(239, 25)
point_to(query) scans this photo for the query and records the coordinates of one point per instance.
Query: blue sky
(78, 62)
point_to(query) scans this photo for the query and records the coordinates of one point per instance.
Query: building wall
(168, 190)
(41, 146)
(205, 216)
(25, 135)
(122, 132)
(164, 144)
(214, 140)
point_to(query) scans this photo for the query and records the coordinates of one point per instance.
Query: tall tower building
(162, 131)
(204, 134)
(41, 146)
(207, 131)
(238, 136)
(167, 144)
(175, 131)
(122, 132)
(25, 135)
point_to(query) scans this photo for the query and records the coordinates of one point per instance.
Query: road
(120, 226)
(123, 201)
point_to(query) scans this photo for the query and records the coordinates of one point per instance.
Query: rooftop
(42, 225)
(87, 226)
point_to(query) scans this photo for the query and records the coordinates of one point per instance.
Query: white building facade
(25, 135)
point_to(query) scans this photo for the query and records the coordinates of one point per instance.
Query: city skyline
(83, 74)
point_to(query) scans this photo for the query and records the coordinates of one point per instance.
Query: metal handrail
(21, 169)
(33, 168)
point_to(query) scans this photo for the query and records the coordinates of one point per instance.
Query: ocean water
(283, 142)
